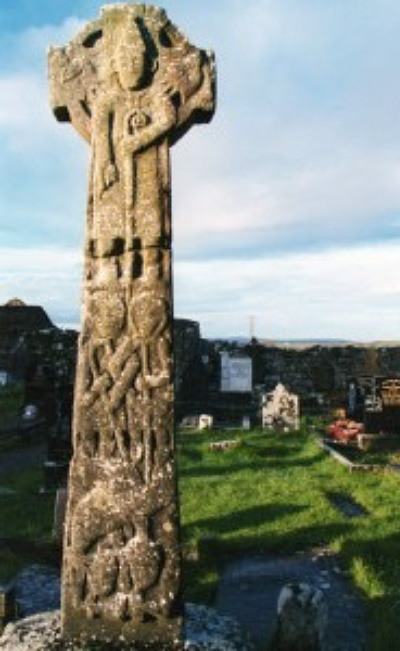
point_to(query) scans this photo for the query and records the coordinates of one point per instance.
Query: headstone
(236, 374)
(280, 409)
(302, 618)
(190, 422)
(206, 422)
(222, 446)
(131, 85)
(376, 401)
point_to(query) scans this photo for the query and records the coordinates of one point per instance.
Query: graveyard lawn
(273, 494)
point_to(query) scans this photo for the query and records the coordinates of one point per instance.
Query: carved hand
(110, 175)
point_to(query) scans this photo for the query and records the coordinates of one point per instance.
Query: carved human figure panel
(131, 85)
(126, 82)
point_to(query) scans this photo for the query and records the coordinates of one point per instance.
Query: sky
(286, 207)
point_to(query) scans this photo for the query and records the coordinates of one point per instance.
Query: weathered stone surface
(222, 446)
(131, 85)
(280, 409)
(205, 630)
(206, 422)
(302, 617)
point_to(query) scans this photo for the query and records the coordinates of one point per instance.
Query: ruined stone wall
(43, 361)
(318, 374)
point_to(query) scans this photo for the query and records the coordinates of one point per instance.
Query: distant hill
(314, 342)
(309, 343)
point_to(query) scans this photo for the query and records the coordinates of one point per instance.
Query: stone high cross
(131, 85)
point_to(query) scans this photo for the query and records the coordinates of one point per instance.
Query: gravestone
(131, 85)
(206, 422)
(376, 401)
(302, 618)
(280, 409)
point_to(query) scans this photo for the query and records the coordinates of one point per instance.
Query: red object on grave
(344, 430)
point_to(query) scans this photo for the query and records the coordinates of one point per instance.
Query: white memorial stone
(206, 422)
(280, 408)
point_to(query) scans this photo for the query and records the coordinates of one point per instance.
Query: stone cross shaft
(131, 85)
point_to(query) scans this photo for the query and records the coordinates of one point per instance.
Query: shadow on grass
(275, 450)
(383, 624)
(217, 552)
(246, 518)
(191, 438)
(190, 454)
(229, 469)
(301, 539)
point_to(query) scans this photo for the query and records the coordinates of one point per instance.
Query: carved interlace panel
(131, 84)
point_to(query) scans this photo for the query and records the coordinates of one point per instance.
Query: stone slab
(205, 630)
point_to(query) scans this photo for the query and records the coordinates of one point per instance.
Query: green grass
(270, 494)
(24, 516)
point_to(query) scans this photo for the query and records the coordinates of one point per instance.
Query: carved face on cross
(130, 57)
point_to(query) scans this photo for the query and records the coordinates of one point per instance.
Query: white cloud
(39, 38)
(28, 48)
(346, 293)
(49, 276)
(26, 120)
(330, 189)
(305, 144)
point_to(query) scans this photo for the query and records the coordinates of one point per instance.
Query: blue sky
(285, 207)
